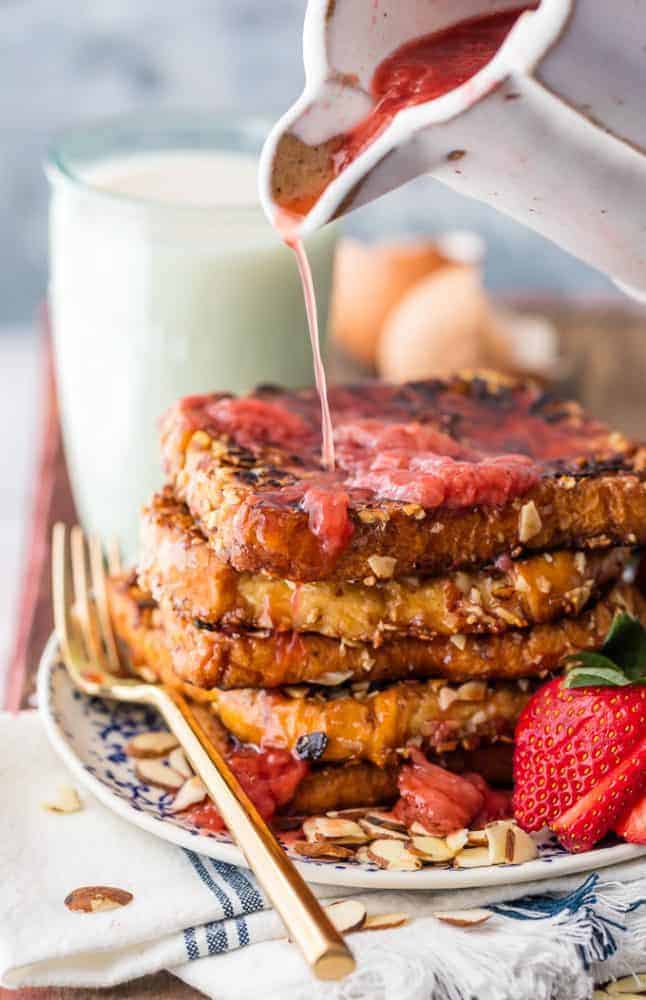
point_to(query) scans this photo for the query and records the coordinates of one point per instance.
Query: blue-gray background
(65, 61)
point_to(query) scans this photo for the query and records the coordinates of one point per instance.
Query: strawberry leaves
(620, 661)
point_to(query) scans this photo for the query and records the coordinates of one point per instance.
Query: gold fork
(90, 653)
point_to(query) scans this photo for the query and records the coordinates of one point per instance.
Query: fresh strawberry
(440, 800)
(592, 816)
(568, 741)
(632, 825)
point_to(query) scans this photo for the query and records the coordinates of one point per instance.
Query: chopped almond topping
(529, 521)
(382, 566)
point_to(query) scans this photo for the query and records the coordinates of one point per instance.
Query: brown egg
(368, 283)
(442, 324)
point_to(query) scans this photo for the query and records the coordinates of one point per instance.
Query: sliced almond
(97, 898)
(430, 849)
(354, 814)
(296, 690)
(393, 855)
(416, 829)
(151, 745)
(384, 921)
(446, 697)
(477, 838)
(472, 691)
(508, 844)
(178, 762)
(529, 521)
(472, 857)
(347, 915)
(324, 851)
(500, 842)
(380, 824)
(154, 772)
(66, 800)
(361, 855)
(382, 566)
(463, 918)
(320, 828)
(629, 984)
(457, 840)
(190, 794)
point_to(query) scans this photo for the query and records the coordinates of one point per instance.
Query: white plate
(90, 735)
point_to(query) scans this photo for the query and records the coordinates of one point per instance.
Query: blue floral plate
(90, 735)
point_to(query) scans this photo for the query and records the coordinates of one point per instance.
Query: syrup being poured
(286, 224)
(421, 70)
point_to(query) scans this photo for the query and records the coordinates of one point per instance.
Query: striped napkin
(209, 923)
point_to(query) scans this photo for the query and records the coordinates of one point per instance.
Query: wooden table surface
(604, 365)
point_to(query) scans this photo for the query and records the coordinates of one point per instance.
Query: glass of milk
(166, 279)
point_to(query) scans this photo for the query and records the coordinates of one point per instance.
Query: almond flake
(324, 851)
(190, 794)
(446, 697)
(463, 918)
(66, 801)
(378, 824)
(458, 640)
(321, 828)
(154, 772)
(178, 762)
(508, 844)
(457, 840)
(433, 849)
(472, 857)
(296, 690)
(393, 855)
(347, 915)
(472, 691)
(417, 830)
(382, 566)
(334, 677)
(529, 521)
(97, 898)
(151, 745)
(385, 921)
(356, 813)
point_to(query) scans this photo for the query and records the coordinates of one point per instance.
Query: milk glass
(165, 279)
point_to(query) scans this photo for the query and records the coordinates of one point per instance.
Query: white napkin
(187, 907)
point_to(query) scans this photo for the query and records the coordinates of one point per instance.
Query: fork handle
(307, 923)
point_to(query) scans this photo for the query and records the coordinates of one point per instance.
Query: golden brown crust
(208, 659)
(594, 498)
(347, 786)
(179, 566)
(574, 513)
(375, 725)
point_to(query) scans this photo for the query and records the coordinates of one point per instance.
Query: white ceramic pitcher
(552, 131)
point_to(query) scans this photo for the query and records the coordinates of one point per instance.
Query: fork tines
(81, 612)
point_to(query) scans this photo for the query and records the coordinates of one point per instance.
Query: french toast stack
(473, 534)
